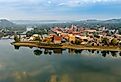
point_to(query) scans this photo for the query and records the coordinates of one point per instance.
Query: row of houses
(85, 35)
(73, 34)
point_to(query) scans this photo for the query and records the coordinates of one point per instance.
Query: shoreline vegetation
(37, 44)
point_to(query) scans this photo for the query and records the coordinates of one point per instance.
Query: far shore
(66, 46)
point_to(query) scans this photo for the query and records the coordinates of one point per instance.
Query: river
(26, 65)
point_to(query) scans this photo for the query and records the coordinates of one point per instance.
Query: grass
(63, 46)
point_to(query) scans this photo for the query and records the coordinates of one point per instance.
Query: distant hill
(64, 21)
(38, 21)
(113, 21)
(90, 21)
(6, 23)
(102, 21)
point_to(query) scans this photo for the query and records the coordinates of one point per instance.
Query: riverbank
(66, 46)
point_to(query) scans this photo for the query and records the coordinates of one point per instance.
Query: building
(57, 39)
(90, 31)
(64, 35)
(34, 37)
(71, 38)
(84, 38)
(76, 33)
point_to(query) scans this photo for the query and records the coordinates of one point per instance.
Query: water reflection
(63, 78)
(86, 66)
(120, 53)
(16, 47)
(97, 52)
(71, 51)
(57, 51)
(37, 52)
(114, 53)
(92, 51)
(107, 52)
(103, 53)
(47, 51)
(50, 53)
(77, 51)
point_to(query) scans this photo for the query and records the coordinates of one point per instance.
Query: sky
(59, 9)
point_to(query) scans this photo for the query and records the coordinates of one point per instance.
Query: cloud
(74, 3)
(56, 8)
(46, 3)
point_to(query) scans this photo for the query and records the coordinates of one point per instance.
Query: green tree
(29, 33)
(114, 41)
(119, 30)
(105, 41)
(77, 41)
(37, 38)
(16, 38)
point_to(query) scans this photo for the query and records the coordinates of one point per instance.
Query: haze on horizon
(59, 9)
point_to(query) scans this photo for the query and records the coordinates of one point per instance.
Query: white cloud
(69, 3)
(18, 9)
(73, 3)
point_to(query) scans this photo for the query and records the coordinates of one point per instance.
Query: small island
(72, 37)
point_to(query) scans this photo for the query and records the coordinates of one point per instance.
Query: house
(84, 38)
(57, 39)
(52, 35)
(65, 36)
(76, 33)
(71, 38)
(117, 36)
(90, 31)
(84, 43)
(34, 37)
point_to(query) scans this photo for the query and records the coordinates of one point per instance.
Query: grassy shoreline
(67, 46)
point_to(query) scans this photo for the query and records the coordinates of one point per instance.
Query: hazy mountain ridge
(102, 21)
(13, 23)
(65, 21)
(39, 21)
(6, 23)
(113, 21)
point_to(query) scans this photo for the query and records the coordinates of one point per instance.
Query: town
(72, 36)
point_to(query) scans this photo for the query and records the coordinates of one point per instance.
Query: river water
(25, 65)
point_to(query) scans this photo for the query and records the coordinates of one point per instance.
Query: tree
(37, 38)
(114, 41)
(105, 41)
(77, 41)
(29, 33)
(119, 30)
(16, 38)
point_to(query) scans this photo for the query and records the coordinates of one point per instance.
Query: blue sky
(60, 9)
